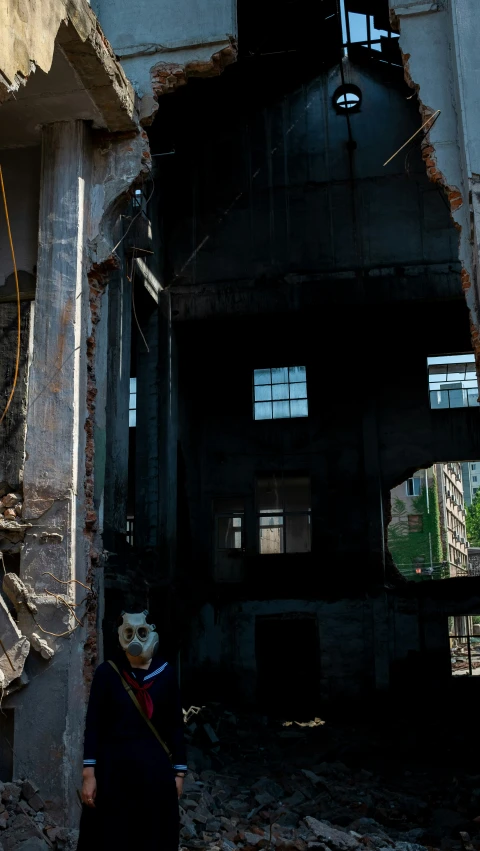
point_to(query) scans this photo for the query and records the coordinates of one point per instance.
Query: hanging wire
(12, 250)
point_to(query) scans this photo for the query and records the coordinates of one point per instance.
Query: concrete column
(49, 715)
(118, 392)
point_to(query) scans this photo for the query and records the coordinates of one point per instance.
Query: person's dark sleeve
(179, 751)
(94, 718)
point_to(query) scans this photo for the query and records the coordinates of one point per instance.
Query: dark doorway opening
(288, 666)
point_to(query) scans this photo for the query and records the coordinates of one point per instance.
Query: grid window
(474, 478)
(473, 466)
(452, 381)
(229, 523)
(414, 486)
(132, 405)
(280, 393)
(283, 514)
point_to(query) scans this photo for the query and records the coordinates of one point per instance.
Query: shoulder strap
(142, 713)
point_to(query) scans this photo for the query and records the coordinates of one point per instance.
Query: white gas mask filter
(137, 637)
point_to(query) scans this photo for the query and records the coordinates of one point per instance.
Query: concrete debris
(41, 646)
(18, 593)
(12, 528)
(14, 647)
(253, 788)
(10, 500)
(24, 823)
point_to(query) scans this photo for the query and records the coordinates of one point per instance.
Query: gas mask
(137, 637)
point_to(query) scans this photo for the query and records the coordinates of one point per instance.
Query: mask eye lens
(142, 633)
(128, 633)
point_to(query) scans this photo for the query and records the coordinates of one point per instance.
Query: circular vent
(347, 98)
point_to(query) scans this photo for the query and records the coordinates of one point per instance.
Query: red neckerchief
(142, 695)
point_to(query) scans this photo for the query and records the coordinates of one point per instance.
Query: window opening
(283, 514)
(359, 31)
(280, 393)
(414, 486)
(347, 97)
(130, 530)
(132, 405)
(229, 524)
(464, 636)
(452, 381)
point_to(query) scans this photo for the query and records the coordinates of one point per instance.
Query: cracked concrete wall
(160, 51)
(31, 30)
(439, 45)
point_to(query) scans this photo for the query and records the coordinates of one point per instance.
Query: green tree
(473, 521)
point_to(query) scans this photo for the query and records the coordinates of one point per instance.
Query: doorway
(288, 665)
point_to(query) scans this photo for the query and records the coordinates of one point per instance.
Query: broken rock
(335, 839)
(14, 649)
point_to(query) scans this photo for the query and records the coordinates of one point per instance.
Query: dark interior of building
(281, 382)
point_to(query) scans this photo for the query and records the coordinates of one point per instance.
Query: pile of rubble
(12, 529)
(24, 823)
(241, 794)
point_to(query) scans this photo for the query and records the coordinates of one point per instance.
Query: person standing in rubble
(134, 754)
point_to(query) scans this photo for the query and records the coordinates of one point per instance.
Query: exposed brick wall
(169, 76)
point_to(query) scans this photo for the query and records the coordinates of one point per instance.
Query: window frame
(289, 383)
(283, 514)
(412, 479)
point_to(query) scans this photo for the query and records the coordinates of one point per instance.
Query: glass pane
(297, 373)
(229, 538)
(299, 408)
(261, 376)
(470, 371)
(297, 493)
(455, 372)
(280, 391)
(133, 401)
(298, 390)
(263, 410)
(439, 399)
(133, 385)
(458, 398)
(473, 399)
(132, 418)
(271, 541)
(271, 520)
(281, 410)
(279, 375)
(269, 494)
(298, 538)
(470, 382)
(358, 26)
(263, 393)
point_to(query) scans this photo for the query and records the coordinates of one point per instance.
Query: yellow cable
(17, 363)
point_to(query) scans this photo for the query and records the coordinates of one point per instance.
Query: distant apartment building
(453, 517)
(427, 534)
(471, 480)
